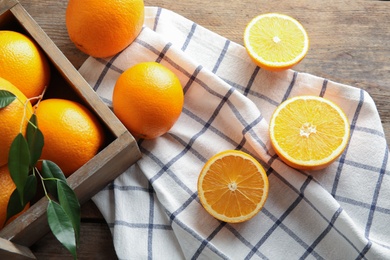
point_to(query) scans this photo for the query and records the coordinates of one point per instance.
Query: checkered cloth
(342, 212)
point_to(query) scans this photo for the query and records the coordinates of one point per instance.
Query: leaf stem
(39, 97)
(43, 183)
(25, 108)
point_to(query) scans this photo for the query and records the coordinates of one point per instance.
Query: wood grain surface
(349, 44)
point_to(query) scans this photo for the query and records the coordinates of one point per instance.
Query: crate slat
(13, 251)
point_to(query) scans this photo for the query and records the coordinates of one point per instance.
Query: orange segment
(233, 186)
(276, 41)
(309, 132)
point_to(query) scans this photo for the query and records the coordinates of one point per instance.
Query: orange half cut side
(276, 41)
(233, 186)
(309, 132)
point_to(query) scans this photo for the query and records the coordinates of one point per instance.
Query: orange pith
(309, 132)
(233, 186)
(276, 41)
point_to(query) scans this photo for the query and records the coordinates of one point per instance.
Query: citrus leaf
(52, 170)
(6, 98)
(51, 187)
(30, 188)
(61, 226)
(14, 205)
(69, 202)
(18, 163)
(34, 140)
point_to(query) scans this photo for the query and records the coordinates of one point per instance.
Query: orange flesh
(309, 132)
(233, 188)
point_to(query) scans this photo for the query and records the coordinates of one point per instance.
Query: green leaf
(15, 202)
(34, 140)
(61, 226)
(18, 163)
(69, 202)
(51, 187)
(14, 205)
(30, 188)
(51, 172)
(6, 98)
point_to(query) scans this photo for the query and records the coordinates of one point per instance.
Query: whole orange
(103, 28)
(72, 134)
(13, 119)
(148, 99)
(23, 63)
(7, 186)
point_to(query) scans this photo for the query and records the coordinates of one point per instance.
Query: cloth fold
(341, 212)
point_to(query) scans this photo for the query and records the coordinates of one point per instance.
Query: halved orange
(276, 41)
(233, 186)
(309, 132)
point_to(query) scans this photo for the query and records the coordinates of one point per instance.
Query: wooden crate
(120, 152)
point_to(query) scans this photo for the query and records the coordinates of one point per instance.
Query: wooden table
(349, 44)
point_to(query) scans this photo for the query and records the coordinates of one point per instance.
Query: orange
(72, 134)
(7, 186)
(13, 119)
(276, 41)
(233, 186)
(309, 132)
(23, 63)
(148, 98)
(102, 28)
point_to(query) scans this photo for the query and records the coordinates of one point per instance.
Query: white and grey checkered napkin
(342, 212)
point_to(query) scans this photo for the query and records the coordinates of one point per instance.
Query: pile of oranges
(72, 134)
(25, 72)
